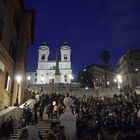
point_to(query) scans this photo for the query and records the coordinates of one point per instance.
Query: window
(36, 74)
(52, 81)
(13, 50)
(8, 82)
(65, 57)
(43, 57)
(130, 57)
(35, 79)
(1, 28)
(65, 76)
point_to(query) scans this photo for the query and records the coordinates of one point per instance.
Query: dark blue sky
(89, 27)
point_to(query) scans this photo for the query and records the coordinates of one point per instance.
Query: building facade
(15, 34)
(97, 73)
(129, 68)
(46, 71)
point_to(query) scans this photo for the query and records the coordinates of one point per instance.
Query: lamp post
(71, 78)
(28, 79)
(18, 78)
(118, 80)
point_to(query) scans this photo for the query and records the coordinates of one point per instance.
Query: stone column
(68, 120)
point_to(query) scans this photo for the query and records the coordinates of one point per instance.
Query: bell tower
(43, 52)
(65, 52)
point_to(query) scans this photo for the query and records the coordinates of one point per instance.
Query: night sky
(88, 26)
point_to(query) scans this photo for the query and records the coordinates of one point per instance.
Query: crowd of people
(98, 118)
(104, 117)
(30, 118)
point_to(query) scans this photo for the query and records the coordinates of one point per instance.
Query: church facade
(52, 71)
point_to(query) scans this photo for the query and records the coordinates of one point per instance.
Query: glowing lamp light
(71, 77)
(54, 103)
(28, 78)
(50, 77)
(84, 70)
(18, 78)
(108, 82)
(115, 80)
(119, 78)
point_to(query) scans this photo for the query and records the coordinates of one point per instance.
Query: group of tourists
(97, 118)
(30, 116)
(102, 117)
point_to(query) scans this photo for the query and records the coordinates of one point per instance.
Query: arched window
(65, 77)
(43, 57)
(65, 57)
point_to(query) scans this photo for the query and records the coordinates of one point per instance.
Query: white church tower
(46, 71)
(66, 71)
(43, 54)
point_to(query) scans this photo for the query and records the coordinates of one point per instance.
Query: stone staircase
(43, 126)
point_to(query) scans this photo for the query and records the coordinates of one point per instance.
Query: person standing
(11, 124)
(51, 135)
(6, 129)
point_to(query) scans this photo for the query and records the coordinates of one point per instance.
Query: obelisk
(57, 72)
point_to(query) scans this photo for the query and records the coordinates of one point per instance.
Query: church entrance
(51, 81)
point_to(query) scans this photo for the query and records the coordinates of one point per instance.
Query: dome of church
(65, 46)
(43, 46)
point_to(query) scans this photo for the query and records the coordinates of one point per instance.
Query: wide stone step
(42, 130)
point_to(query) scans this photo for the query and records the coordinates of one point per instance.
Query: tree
(105, 57)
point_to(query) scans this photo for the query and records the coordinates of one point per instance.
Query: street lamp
(118, 80)
(28, 79)
(18, 78)
(108, 82)
(136, 69)
(71, 78)
(86, 88)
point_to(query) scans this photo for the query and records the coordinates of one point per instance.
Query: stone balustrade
(30, 103)
(75, 89)
(15, 112)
